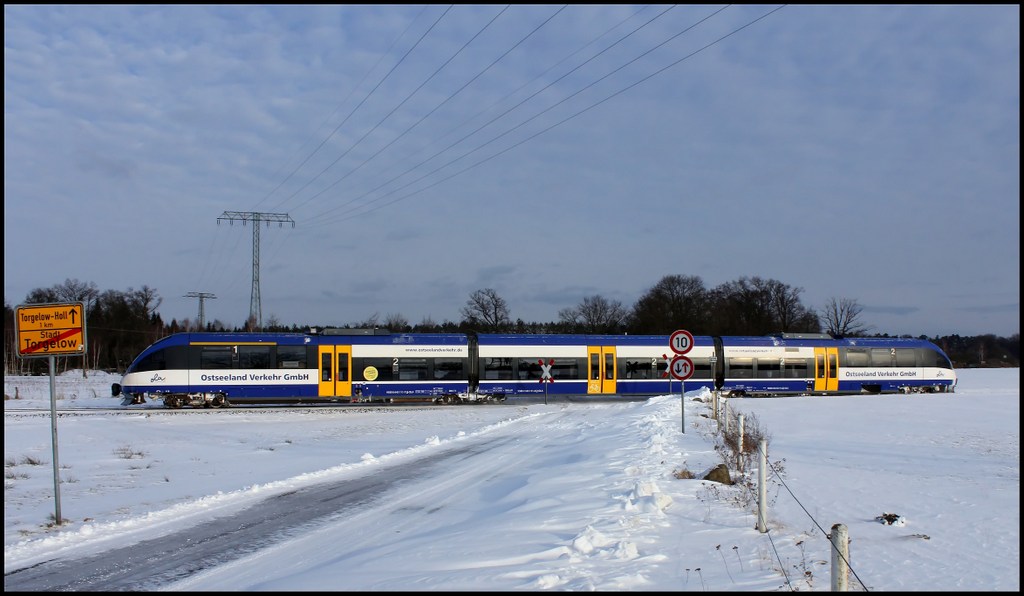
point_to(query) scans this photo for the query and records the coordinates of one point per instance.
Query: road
(156, 563)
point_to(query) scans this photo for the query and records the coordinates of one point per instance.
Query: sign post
(49, 330)
(667, 374)
(681, 367)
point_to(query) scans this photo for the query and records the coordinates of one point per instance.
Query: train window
(528, 369)
(796, 368)
(768, 368)
(741, 368)
(906, 357)
(819, 366)
(701, 368)
(412, 369)
(882, 357)
(497, 369)
(154, 361)
(253, 356)
(858, 357)
(382, 368)
(342, 367)
(291, 357)
(565, 368)
(609, 366)
(215, 357)
(449, 368)
(639, 369)
(930, 358)
(325, 367)
(595, 368)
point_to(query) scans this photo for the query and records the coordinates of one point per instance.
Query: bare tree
(758, 306)
(216, 325)
(487, 310)
(274, 324)
(595, 314)
(841, 317)
(676, 301)
(427, 324)
(396, 322)
(372, 322)
(788, 312)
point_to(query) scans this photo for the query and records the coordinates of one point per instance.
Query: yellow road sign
(50, 329)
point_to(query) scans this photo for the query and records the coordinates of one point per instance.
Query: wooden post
(739, 443)
(762, 489)
(840, 558)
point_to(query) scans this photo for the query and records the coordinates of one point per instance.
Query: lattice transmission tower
(255, 310)
(202, 296)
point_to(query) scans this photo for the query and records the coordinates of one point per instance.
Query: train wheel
(218, 401)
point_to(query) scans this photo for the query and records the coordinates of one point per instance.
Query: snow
(567, 496)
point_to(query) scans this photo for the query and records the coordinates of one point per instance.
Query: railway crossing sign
(681, 367)
(681, 341)
(50, 329)
(545, 374)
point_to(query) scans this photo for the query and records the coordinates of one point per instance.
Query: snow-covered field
(588, 499)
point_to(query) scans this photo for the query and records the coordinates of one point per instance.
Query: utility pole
(255, 310)
(201, 296)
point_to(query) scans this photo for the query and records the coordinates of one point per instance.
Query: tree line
(120, 324)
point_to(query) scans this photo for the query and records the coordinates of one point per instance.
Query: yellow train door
(826, 369)
(602, 372)
(335, 366)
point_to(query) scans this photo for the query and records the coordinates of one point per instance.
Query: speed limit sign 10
(681, 341)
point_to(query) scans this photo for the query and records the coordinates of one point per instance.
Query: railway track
(232, 410)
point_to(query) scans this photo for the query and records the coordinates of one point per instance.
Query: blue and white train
(361, 366)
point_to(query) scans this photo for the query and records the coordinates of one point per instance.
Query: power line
(379, 83)
(488, 123)
(540, 132)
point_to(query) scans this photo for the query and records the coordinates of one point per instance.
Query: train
(210, 369)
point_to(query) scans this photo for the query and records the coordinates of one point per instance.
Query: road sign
(681, 341)
(681, 367)
(50, 330)
(545, 374)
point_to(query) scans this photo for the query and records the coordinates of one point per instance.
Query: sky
(525, 496)
(401, 157)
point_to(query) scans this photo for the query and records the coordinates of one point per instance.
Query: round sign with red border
(681, 368)
(681, 341)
